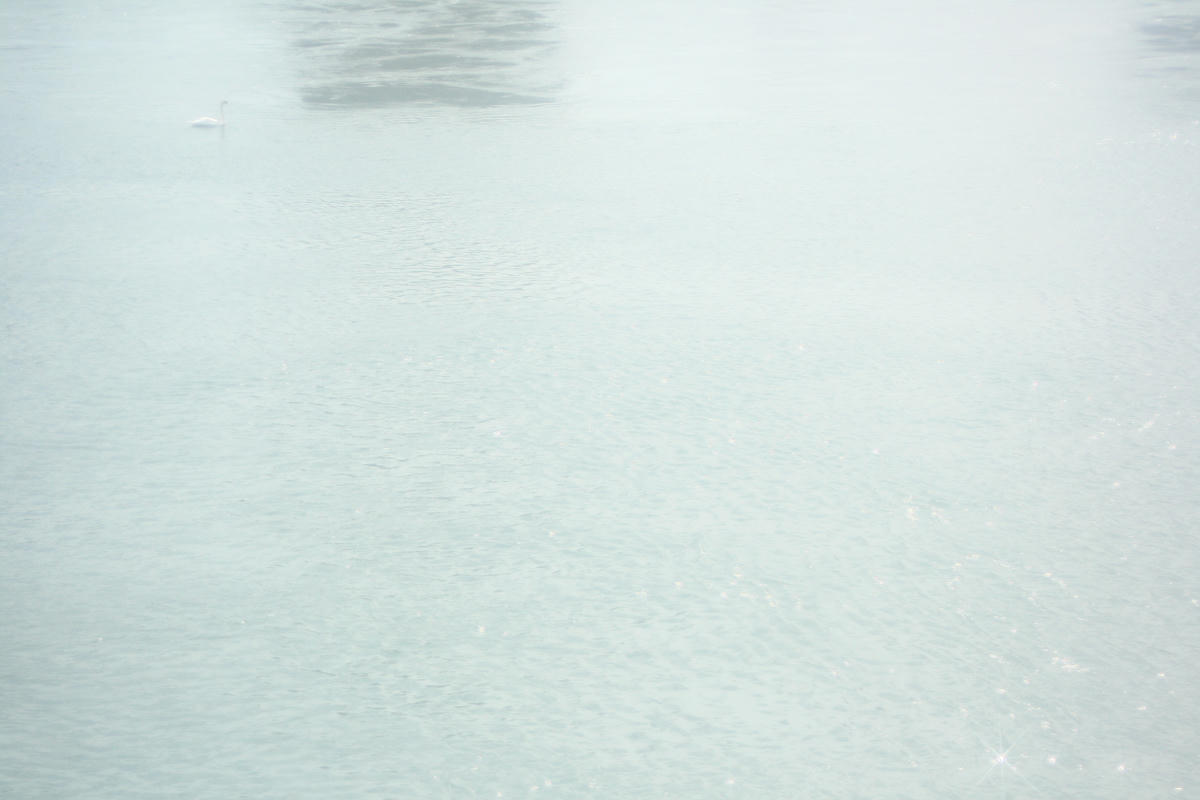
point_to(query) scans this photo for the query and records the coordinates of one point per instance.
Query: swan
(209, 122)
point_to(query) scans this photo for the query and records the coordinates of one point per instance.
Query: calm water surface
(565, 399)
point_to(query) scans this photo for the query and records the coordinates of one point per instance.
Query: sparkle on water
(629, 399)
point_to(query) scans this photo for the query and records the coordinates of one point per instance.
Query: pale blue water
(600, 400)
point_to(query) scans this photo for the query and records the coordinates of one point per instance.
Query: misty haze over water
(565, 399)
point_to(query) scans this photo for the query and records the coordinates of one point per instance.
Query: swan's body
(209, 122)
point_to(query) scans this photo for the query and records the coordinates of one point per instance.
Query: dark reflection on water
(1172, 42)
(1176, 33)
(468, 53)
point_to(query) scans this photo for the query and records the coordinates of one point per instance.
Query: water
(578, 400)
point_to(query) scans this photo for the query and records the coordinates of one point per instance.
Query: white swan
(209, 122)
